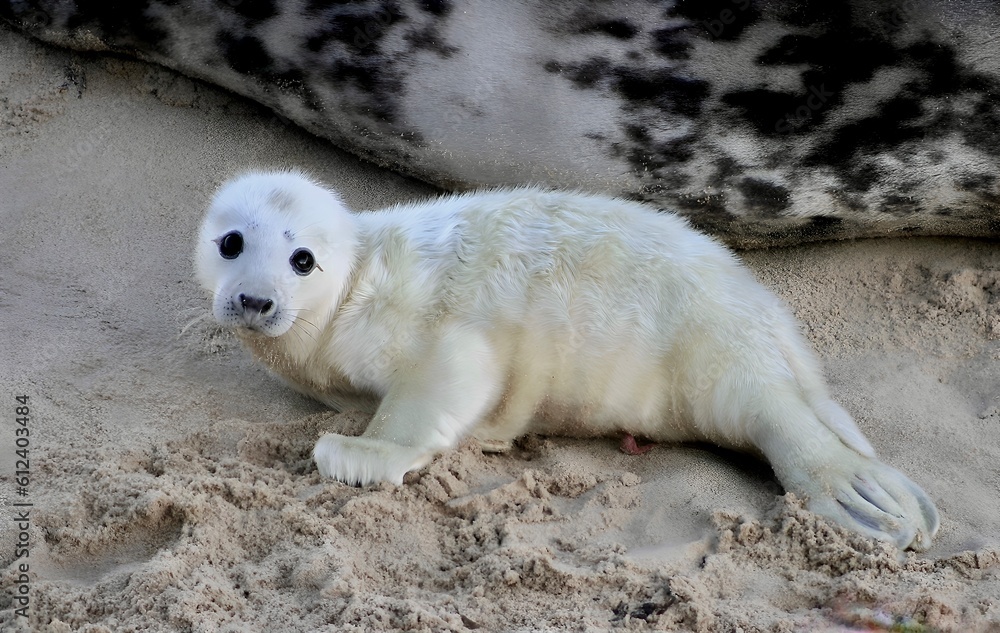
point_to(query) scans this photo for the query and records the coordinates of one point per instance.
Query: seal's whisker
(300, 332)
(198, 319)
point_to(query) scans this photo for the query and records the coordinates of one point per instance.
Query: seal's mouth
(252, 331)
(256, 331)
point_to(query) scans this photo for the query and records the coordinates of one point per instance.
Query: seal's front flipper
(359, 461)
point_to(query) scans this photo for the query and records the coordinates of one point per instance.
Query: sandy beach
(171, 485)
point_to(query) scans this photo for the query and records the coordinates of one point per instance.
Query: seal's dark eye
(302, 261)
(231, 245)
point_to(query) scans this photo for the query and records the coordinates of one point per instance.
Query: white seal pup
(500, 313)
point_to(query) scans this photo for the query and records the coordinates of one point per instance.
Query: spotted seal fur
(763, 122)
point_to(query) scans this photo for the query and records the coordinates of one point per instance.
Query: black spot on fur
(430, 39)
(437, 7)
(366, 77)
(672, 43)
(725, 168)
(823, 81)
(822, 227)
(816, 229)
(126, 24)
(255, 11)
(347, 43)
(897, 205)
(648, 154)
(903, 118)
(660, 88)
(25, 16)
(816, 15)
(981, 129)
(637, 133)
(889, 128)
(650, 94)
(825, 78)
(360, 30)
(620, 29)
(826, 75)
(765, 109)
(706, 211)
(718, 19)
(245, 54)
(977, 182)
(764, 196)
(584, 75)
(664, 89)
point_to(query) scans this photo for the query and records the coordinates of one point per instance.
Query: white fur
(500, 313)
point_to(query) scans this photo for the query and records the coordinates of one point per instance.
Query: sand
(170, 478)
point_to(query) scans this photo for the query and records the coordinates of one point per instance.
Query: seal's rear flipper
(843, 425)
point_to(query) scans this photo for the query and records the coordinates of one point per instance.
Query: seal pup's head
(275, 249)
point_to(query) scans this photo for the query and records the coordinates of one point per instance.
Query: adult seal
(744, 116)
(500, 313)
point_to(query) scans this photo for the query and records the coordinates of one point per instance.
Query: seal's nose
(256, 305)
